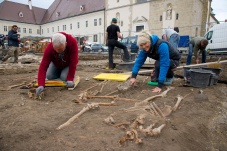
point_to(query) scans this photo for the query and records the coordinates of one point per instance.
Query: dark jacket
(13, 38)
(160, 50)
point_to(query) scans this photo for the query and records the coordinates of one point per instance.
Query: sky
(219, 6)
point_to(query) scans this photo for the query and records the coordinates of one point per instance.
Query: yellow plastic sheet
(57, 83)
(112, 76)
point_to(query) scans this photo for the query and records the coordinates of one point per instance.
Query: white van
(217, 37)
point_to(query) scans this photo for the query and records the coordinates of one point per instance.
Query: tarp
(184, 41)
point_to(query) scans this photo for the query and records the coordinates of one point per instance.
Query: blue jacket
(162, 55)
(13, 38)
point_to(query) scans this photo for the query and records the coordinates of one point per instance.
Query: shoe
(107, 68)
(168, 81)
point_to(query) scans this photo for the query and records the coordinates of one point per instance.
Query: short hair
(14, 26)
(143, 37)
(176, 29)
(58, 39)
(205, 42)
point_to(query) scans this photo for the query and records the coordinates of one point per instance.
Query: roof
(59, 9)
(10, 11)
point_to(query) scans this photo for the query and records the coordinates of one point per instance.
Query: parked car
(95, 47)
(131, 43)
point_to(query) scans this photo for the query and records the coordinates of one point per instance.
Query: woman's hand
(157, 90)
(133, 81)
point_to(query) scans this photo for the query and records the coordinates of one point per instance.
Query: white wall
(21, 25)
(82, 30)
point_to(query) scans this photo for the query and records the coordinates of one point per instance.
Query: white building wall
(34, 28)
(126, 15)
(82, 31)
(117, 3)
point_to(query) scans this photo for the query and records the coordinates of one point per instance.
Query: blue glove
(39, 90)
(70, 84)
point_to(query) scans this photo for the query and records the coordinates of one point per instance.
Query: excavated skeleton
(85, 109)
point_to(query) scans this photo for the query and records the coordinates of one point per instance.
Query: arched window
(118, 17)
(177, 16)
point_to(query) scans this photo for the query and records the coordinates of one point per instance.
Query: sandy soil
(199, 124)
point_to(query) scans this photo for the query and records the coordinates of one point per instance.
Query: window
(42, 31)
(47, 30)
(141, 1)
(121, 23)
(118, 1)
(208, 36)
(177, 16)
(64, 27)
(24, 30)
(71, 26)
(5, 28)
(52, 29)
(160, 18)
(100, 21)
(19, 30)
(78, 24)
(196, 31)
(95, 22)
(95, 38)
(58, 28)
(139, 28)
(38, 31)
(30, 31)
(86, 23)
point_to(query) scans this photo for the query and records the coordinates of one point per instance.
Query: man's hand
(157, 89)
(39, 90)
(197, 60)
(133, 81)
(70, 84)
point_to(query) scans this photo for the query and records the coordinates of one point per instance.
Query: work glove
(70, 84)
(39, 90)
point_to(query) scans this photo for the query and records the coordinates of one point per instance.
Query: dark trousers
(170, 74)
(114, 43)
(189, 58)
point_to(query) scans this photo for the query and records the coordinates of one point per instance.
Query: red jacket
(50, 55)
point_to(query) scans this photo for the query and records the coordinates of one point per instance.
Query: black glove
(70, 84)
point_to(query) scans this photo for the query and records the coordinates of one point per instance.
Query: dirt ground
(27, 124)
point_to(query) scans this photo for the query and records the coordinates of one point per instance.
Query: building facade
(89, 19)
(191, 17)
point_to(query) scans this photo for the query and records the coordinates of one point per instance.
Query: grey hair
(143, 37)
(58, 39)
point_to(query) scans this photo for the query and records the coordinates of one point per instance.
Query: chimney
(30, 4)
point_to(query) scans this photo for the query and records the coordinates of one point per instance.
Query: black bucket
(217, 71)
(187, 76)
(200, 78)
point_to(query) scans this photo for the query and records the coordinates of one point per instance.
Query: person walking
(112, 35)
(59, 60)
(166, 56)
(13, 45)
(197, 46)
(172, 36)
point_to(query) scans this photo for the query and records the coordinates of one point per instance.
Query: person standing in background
(112, 35)
(13, 44)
